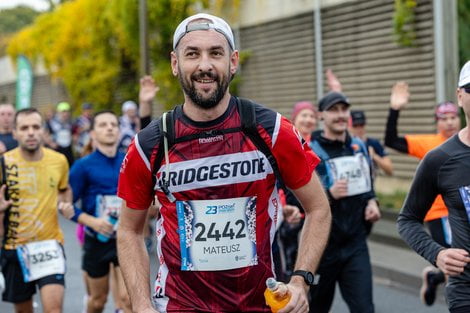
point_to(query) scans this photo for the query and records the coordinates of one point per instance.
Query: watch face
(309, 278)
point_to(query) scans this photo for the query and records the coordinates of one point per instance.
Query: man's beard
(31, 149)
(197, 98)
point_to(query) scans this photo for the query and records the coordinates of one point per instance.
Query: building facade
(357, 44)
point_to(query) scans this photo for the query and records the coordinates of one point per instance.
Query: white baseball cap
(213, 22)
(129, 105)
(464, 78)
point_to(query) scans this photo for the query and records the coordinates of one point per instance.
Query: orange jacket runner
(418, 146)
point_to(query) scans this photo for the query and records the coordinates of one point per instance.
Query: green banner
(24, 83)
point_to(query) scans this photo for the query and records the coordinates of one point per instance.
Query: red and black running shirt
(220, 167)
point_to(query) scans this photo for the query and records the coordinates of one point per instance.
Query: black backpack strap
(2, 171)
(247, 112)
(3, 177)
(170, 135)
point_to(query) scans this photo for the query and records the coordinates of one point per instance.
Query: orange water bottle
(277, 294)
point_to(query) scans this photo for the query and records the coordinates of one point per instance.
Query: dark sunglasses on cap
(466, 88)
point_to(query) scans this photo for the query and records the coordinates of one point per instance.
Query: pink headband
(302, 105)
(446, 107)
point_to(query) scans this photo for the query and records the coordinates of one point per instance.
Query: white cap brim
(216, 23)
(464, 78)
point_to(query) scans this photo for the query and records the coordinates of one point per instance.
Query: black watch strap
(309, 278)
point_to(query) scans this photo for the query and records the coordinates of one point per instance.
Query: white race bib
(355, 170)
(217, 234)
(64, 138)
(107, 205)
(40, 259)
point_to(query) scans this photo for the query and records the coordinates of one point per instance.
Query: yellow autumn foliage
(75, 42)
(93, 47)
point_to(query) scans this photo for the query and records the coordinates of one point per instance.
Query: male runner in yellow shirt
(37, 186)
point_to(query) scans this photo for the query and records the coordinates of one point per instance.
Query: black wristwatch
(309, 277)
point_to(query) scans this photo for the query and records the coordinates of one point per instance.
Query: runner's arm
(316, 228)
(398, 100)
(422, 193)
(391, 134)
(148, 90)
(385, 163)
(380, 156)
(77, 180)
(100, 225)
(144, 121)
(65, 195)
(64, 205)
(332, 81)
(133, 257)
(314, 237)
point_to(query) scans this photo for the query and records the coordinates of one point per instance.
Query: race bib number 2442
(217, 234)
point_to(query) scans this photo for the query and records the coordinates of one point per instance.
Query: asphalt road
(387, 299)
